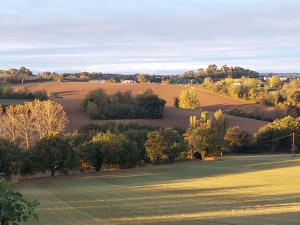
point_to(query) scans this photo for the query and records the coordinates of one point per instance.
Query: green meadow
(12, 101)
(263, 189)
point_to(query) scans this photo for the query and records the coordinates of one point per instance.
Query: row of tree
(123, 105)
(6, 92)
(273, 92)
(33, 141)
(215, 72)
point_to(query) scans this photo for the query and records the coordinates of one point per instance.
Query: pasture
(72, 94)
(262, 189)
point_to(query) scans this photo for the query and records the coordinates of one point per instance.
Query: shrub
(109, 149)
(258, 115)
(277, 129)
(149, 105)
(14, 209)
(176, 102)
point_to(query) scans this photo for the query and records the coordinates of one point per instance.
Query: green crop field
(12, 101)
(235, 190)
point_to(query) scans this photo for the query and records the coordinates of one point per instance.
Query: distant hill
(17, 75)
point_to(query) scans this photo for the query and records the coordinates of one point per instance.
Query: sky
(149, 36)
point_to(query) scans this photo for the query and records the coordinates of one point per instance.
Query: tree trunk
(52, 172)
(203, 153)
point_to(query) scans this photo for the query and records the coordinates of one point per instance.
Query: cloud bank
(155, 36)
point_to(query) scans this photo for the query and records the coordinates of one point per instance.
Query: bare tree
(24, 121)
(8, 126)
(50, 118)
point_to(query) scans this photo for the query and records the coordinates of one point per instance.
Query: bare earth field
(236, 190)
(72, 94)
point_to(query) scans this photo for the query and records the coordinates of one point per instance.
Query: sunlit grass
(235, 190)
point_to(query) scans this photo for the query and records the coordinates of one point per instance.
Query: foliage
(14, 209)
(176, 102)
(237, 139)
(54, 154)
(257, 114)
(143, 78)
(274, 82)
(24, 124)
(123, 105)
(277, 129)
(110, 149)
(215, 72)
(10, 158)
(6, 92)
(188, 99)
(164, 145)
(149, 105)
(206, 134)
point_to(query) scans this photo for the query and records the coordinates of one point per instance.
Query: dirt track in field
(73, 92)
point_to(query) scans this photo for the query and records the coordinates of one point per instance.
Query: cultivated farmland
(72, 94)
(249, 190)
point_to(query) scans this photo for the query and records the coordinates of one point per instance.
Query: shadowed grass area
(13, 101)
(261, 189)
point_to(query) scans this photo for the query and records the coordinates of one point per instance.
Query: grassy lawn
(13, 101)
(235, 190)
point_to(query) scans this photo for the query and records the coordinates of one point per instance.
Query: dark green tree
(55, 153)
(10, 158)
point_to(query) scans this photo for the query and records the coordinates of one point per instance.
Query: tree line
(33, 141)
(99, 104)
(215, 72)
(6, 92)
(274, 92)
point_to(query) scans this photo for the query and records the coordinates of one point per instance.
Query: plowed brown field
(73, 92)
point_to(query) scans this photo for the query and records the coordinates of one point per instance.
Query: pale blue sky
(154, 36)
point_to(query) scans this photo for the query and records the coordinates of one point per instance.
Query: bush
(109, 149)
(6, 92)
(14, 209)
(176, 102)
(123, 105)
(149, 105)
(252, 115)
(278, 129)
(164, 145)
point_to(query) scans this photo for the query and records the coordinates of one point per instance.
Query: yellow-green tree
(275, 81)
(188, 99)
(206, 134)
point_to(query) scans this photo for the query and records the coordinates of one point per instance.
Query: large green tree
(55, 153)
(164, 145)
(206, 134)
(10, 158)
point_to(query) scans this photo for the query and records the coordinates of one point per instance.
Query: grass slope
(235, 190)
(13, 101)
